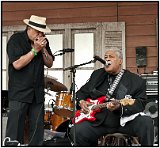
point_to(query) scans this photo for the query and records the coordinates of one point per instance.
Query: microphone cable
(36, 125)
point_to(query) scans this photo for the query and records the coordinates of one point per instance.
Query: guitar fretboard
(99, 106)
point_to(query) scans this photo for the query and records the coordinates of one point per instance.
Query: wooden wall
(140, 19)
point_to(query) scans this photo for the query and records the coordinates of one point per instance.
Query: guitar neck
(103, 105)
(98, 106)
(124, 102)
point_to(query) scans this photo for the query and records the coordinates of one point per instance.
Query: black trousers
(16, 122)
(85, 134)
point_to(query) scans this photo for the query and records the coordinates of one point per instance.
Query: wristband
(35, 53)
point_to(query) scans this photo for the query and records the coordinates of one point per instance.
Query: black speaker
(141, 53)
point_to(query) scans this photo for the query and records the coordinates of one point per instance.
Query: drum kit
(57, 118)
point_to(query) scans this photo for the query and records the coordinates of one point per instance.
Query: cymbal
(53, 84)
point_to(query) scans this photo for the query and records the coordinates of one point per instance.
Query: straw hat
(38, 23)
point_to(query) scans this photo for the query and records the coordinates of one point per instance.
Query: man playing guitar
(108, 87)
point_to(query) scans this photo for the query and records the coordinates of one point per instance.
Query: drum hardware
(52, 105)
(47, 119)
(48, 93)
(48, 115)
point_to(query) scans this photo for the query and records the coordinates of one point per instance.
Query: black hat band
(37, 25)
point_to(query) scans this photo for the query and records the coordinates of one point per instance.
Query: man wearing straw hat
(28, 52)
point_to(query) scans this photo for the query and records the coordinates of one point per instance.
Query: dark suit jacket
(130, 84)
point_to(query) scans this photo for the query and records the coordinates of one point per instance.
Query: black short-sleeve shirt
(27, 82)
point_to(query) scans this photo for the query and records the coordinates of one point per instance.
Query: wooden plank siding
(139, 17)
(140, 21)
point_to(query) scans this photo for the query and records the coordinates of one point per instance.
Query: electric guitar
(96, 107)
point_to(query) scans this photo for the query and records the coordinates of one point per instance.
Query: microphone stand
(76, 66)
(73, 70)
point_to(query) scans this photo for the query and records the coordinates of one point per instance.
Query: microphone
(102, 61)
(67, 50)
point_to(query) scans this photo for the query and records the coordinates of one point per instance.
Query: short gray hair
(117, 50)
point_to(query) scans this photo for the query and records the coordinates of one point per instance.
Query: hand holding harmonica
(39, 43)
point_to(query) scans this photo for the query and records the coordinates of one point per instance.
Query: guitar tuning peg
(128, 96)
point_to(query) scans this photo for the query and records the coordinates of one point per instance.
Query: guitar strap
(114, 84)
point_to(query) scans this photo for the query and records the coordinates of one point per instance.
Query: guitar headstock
(127, 101)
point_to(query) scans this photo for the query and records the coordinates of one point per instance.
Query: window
(56, 44)
(84, 52)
